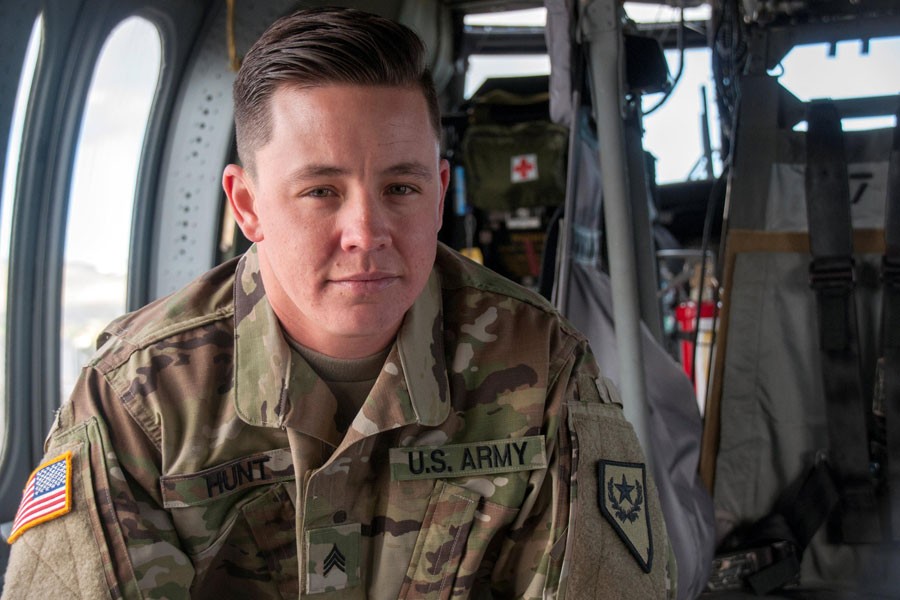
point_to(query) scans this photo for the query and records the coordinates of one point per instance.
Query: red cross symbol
(524, 168)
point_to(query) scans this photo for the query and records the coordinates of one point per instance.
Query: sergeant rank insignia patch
(622, 492)
(332, 558)
(47, 495)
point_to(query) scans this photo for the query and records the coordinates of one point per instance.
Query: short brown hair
(323, 46)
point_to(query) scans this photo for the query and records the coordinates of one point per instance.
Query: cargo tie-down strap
(831, 275)
(766, 554)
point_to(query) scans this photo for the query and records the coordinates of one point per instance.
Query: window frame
(50, 134)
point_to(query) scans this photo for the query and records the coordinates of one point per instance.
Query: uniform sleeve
(617, 543)
(595, 527)
(114, 541)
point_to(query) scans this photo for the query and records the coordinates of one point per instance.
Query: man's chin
(371, 327)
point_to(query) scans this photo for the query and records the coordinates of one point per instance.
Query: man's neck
(350, 380)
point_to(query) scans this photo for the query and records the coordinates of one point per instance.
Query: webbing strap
(890, 329)
(766, 555)
(832, 279)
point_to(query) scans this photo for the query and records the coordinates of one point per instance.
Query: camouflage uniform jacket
(207, 462)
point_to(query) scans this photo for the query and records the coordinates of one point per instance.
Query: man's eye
(319, 193)
(401, 189)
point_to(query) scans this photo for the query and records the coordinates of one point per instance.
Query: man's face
(344, 203)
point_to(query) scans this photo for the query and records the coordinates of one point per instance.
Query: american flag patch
(47, 495)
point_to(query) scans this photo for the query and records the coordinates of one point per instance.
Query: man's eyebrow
(314, 171)
(412, 168)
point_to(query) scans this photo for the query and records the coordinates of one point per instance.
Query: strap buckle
(832, 274)
(890, 271)
(762, 569)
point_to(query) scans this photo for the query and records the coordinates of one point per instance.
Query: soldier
(350, 409)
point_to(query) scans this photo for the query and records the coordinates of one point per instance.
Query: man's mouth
(366, 283)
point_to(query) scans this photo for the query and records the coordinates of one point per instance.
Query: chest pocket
(222, 511)
(457, 529)
(253, 553)
(270, 518)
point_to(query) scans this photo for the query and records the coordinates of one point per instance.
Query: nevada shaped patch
(622, 490)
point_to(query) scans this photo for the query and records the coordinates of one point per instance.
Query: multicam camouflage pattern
(217, 466)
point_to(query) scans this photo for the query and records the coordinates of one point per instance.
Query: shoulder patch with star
(622, 491)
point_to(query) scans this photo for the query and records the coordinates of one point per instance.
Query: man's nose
(365, 223)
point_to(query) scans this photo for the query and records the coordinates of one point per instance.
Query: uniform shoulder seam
(126, 343)
(156, 335)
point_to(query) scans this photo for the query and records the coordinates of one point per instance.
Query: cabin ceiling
(486, 6)
(753, 10)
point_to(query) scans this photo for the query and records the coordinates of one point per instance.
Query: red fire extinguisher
(686, 317)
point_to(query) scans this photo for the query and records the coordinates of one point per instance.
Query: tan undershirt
(350, 380)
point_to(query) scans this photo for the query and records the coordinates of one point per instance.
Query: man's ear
(444, 174)
(238, 187)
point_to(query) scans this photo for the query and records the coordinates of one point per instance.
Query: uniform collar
(275, 387)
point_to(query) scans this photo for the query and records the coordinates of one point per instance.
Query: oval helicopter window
(101, 200)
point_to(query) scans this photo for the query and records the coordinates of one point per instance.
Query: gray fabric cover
(674, 424)
(558, 33)
(674, 418)
(867, 156)
(773, 414)
(773, 409)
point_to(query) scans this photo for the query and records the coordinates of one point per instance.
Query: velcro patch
(465, 460)
(192, 489)
(47, 495)
(332, 558)
(622, 491)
